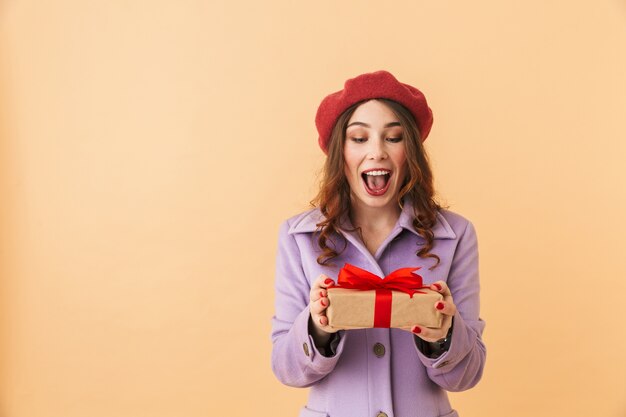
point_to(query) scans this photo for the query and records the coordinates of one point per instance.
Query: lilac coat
(355, 382)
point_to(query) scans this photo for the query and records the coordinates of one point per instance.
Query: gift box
(364, 300)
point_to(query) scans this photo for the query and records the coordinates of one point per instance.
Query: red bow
(402, 279)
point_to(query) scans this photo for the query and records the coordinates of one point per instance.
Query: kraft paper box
(354, 309)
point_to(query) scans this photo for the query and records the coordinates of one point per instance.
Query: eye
(395, 140)
(358, 140)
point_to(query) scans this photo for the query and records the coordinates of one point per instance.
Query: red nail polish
(416, 329)
(438, 286)
(328, 281)
(439, 305)
(321, 293)
(323, 303)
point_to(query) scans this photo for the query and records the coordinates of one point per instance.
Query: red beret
(378, 84)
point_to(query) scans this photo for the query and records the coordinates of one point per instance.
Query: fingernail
(323, 303)
(321, 293)
(321, 322)
(416, 329)
(328, 281)
(439, 305)
(438, 286)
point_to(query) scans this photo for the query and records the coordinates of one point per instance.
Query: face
(374, 154)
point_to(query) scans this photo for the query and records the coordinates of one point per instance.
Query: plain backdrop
(149, 151)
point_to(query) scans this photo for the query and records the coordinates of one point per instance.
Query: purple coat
(359, 381)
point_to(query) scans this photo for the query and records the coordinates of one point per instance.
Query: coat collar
(307, 222)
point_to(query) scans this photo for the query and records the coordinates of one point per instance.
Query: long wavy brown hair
(333, 198)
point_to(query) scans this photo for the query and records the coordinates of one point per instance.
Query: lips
(376, 180)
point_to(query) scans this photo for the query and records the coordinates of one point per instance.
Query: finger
(429, 335)
(432, 335)
(319, 306)
(446, 307)
(323, 281)
(327, 283)
(441, 287)
(316, 293)
(319, 280)
(323, 324)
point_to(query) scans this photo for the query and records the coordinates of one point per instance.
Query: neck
(374, 218)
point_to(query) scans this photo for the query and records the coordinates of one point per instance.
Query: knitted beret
(378, 84)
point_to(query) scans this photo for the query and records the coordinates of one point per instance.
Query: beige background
(149, 151)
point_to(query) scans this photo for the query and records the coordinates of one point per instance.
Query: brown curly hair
(333, 198)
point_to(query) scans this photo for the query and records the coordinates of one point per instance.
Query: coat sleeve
(296, 361)
(461, 366)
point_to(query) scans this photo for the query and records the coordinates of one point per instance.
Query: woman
(375, 210)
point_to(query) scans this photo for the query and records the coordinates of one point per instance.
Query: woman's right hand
(318, 302)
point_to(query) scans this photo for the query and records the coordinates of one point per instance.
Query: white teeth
(377, 173)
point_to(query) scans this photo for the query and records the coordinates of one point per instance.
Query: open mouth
(376, 181)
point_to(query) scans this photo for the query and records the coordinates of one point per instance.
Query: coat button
(379, 350)
(306, 348)
(381, 414)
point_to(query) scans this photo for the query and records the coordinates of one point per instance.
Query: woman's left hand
(446, 307)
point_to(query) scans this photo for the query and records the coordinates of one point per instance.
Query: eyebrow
(366, 125)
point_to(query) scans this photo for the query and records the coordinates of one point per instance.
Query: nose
(377, 149)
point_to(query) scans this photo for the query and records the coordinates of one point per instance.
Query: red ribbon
(402, 279)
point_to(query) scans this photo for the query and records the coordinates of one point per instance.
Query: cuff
(459, 346)
(434, 350)
(316, 359)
